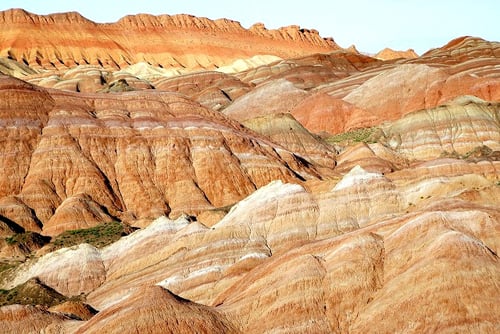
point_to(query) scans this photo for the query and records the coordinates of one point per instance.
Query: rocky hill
(60, 41)
(388, 54)
(198, 185)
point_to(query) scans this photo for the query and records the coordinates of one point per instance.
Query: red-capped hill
(388, 54)
(55, 41)
(18, 15)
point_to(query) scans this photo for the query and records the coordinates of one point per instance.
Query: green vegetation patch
(98, 236)
(7, 265)
(479, 153)
(363, 135)
(33, 292)
(27, 238)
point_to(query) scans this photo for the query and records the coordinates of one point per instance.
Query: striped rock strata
(73, 161)
(467, 66)
(457, 127)
(64, 40)
(32, 319)
(327, 259)
(398, 232)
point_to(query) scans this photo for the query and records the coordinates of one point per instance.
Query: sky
(369, 25)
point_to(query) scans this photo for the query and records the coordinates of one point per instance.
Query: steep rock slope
(160, 312)
(274, 97)
(462, 49)
(334, 258)
(31, 319)
(14, 68)
(282, 128)
(80, 160)
(310, 71)
(266, 110)
(322, 113)
(411, 87)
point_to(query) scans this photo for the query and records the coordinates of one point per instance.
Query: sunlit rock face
(161, 312)
(32, 319)
(89, 159)
(318, 254)
(466, 66)
(71, 271)
(458, 127)
(64, 40)
(411, 87)
(388, 54)
(266, 181)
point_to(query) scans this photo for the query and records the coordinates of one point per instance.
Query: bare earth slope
(130, 156)
(317, 190)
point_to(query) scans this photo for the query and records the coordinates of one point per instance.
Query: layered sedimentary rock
(310, 71)
(68, 39)
(161, 312)
(321, 193)
(370, 265)
(24, 112)
(277, 96)
(389, 54)
(407, 84)
(373, 157)
(266, 110)
(289, 133)
(71, 271)
(81, 160)
(14, 68)
(215, 90)
(321, 254)
(462, 49)
(412, 87)
(457, 127)
(31, 319)
(88, 79)
(75, 212)
(95, 78)
(322, 113)
(467, 66)
(19, 245)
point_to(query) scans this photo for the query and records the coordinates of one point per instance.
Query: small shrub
(11, 240)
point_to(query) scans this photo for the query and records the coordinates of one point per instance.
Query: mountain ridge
(312, 192)
(44, 42)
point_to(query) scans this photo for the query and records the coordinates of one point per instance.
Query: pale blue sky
(370, 25)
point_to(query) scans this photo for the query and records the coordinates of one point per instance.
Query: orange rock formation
(314, 191)
(64, 40)
(388, 54)
(92, 155)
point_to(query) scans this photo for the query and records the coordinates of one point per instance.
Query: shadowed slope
(156, 310)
